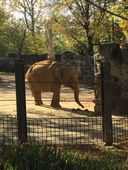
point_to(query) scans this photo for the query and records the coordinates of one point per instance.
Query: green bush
(41, 157)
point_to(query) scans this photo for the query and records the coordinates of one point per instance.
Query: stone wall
(118, 58)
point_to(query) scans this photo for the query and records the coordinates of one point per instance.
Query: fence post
(106, 103)
(21, 100)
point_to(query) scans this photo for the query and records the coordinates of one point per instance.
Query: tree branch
(103, 9)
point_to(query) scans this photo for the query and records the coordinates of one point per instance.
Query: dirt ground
(8, 100)
(69, 108)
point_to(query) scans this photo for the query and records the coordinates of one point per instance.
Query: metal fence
(79, 130)
(66, 130)
(63, 131)
(120, 129)
(8, 128)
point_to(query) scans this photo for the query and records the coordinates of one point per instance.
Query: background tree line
(52, 26)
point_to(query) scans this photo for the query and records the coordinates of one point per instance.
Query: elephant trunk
(76, 96)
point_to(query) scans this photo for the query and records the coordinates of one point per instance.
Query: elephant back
(37, 69)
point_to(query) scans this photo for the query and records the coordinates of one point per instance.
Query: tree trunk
(51, 53)
(90, 46)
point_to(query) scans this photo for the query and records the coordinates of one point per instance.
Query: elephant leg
(37, 97)
(56, 98)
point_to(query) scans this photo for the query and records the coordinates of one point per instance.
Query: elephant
(46, 76)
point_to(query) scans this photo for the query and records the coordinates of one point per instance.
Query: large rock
(119, 78)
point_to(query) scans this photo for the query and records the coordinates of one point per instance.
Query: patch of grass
(41, 157)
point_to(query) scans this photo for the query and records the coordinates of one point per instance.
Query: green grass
(41, 157)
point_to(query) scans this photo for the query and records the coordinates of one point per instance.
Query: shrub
(41, 157)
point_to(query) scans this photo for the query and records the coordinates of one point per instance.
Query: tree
(48, 26)
(4, 17)
(16, 35)
(121, 8)
(89, 22)
(86, 16)
(74, 25)
(31, 11)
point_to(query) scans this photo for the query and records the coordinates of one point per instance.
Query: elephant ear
(59, 73)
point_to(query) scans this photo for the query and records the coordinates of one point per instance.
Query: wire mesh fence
(63, 131)
(8, 128)
(66, 130)
(76, 130)
(120, 129)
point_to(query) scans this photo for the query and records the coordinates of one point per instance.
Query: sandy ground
(8, 100)
(70, 109)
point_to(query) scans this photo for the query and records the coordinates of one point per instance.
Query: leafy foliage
(37, 157)
(75, 25)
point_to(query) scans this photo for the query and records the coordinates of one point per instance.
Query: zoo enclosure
(67, 131)
(107, 124)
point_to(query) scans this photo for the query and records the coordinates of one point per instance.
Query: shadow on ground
(68, 131)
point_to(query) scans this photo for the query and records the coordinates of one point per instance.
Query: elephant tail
(31, 88)
(28, 77)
